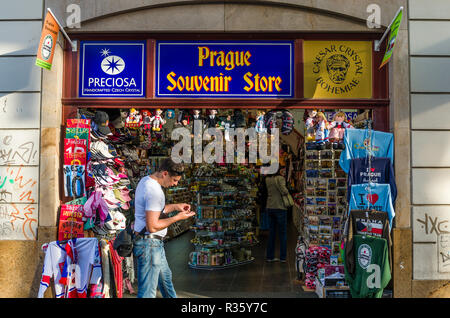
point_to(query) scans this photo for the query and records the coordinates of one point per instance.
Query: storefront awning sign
(224, 69)
(112, 69)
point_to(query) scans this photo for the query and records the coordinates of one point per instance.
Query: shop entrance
(222, 251)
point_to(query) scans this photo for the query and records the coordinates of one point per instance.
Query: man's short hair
(174, 169)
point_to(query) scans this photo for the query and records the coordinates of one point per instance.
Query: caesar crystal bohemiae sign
(337, 69)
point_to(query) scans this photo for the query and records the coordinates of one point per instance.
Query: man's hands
(185, 211)
(183, 215)
(182, 207)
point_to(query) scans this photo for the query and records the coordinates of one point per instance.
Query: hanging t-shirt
(357, 143)
(373, 223)
(378, 198)
(381, 171)
(73, 266)
(372, 271)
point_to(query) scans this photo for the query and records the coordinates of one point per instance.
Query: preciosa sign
(112, 69)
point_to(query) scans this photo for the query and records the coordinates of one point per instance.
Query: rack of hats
(97, 198)
(148, 143)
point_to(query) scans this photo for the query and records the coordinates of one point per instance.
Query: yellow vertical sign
(47, 43)
(337, 69)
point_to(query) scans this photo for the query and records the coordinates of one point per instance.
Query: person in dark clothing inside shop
(277, 213)
(262, 199)
(150, 227)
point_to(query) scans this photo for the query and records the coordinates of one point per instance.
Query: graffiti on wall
(19, 147)
(431, 224)
(444, 253)
(18, 202)
(434, 224)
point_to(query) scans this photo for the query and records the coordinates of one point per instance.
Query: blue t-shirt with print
(380, 171)
(379, 198)
(357, 143)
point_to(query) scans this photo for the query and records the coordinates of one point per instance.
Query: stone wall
(429, 58)
(20, 127)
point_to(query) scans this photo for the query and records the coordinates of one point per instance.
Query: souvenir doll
(133, 117)
(157, 120)
(146, 119)
(169, 117)
(197, 116)
(212, 121)
(321, 131)
(260, 127)
(337, 130)
(310, 122)
(226, 124)
(170, 114)
(183, 118)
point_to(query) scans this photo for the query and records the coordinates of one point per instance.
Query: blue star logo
(113, 65)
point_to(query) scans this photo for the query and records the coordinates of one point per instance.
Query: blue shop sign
(225, 69)
(112, 69)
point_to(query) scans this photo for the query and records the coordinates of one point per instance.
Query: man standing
(150, 227)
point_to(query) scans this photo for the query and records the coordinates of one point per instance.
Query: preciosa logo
(112, 64)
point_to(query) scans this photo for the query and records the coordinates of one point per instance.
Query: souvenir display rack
(184, 192)
(225, 223)
(325, 198)
(324, 210)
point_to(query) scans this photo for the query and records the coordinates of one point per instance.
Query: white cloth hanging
(72, 265)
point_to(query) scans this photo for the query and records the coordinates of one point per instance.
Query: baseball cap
(101, 119)
(119, 220)
(110, 198)
(118, 122)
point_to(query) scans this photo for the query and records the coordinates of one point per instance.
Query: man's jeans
(277, 221)
(152, 269)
